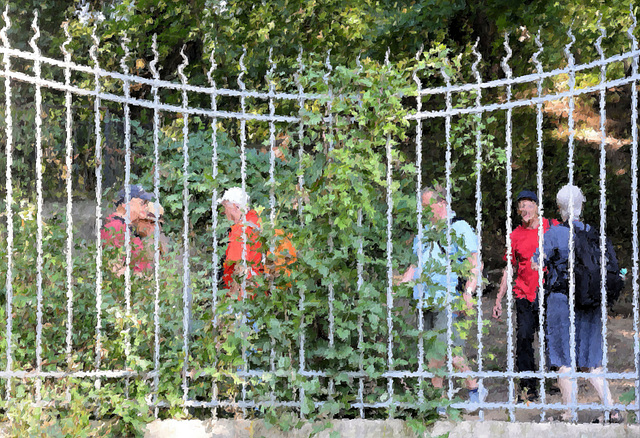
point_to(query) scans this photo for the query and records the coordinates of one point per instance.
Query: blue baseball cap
(135, 191)
(528, 194)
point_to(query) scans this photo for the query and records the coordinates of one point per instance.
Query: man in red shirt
(144, 216)
(524, 242)
(243, 259)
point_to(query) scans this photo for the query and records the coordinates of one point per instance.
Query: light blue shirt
(433, 260)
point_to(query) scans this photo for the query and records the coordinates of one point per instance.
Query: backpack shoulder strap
(251, 224)
(132, 229)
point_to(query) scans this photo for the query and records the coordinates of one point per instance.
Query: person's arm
(472, 281)
(408, 275)
(410, 272)
(497, 308)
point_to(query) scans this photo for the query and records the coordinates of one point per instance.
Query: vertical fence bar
(243, 176)
(420, 286)
(603, 218)
(272, 198)
(330, 238)
(448, 164)
(127, 216)
(572, 217)
(69, 165)
(301, 290)
(634, 204)
(301, 100)
(480, 322)
(39, 261)
(98, 133)
(8, 200)
(360, 282)
(509, 226)
(539, 168)
(389, 260)
(360, 271)
(572, 406)
(156, 235)
(186, 279)
(214, 216)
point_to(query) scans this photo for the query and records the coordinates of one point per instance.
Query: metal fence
(356, 382)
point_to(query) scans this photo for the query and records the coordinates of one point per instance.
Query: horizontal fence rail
(173, 333)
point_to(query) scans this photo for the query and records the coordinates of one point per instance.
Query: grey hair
(570, 200)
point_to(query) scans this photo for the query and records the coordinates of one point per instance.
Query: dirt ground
(620, 346)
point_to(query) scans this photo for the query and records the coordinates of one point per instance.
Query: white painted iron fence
(120, 319)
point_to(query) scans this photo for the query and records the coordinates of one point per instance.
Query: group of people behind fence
(444, 278)
(444, 289)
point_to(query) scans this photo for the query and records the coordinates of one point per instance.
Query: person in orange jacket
(243, 258)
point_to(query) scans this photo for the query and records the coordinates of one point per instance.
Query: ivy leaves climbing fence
(332, 156)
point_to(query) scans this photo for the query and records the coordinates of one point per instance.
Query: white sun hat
(237, 196)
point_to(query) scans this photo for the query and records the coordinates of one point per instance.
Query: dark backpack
(588, 282)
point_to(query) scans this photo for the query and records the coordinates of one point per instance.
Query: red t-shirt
(524, 243)
(113, 234)
(253, 256)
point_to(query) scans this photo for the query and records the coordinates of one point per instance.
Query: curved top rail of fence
(213, 91)
(532, 78)
(100, 73)
(519, 103)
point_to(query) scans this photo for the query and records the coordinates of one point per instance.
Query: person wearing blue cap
(524, 243)
(142, 217)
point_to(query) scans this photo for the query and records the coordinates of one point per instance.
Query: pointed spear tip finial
(65, 44)
(7, 24)
(33, 42)
(214, 65)
(241, 62)
(243, 69)
(444, 73)
(567, 47)
(536, 56)
(125, 46)
(505, 61)
(153, 65)
(634, 23)
(183, 64)
(328, 60)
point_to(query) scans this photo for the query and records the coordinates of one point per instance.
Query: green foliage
(345, 169)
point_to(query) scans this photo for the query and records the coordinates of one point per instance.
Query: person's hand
(407, 276)
(497, 310)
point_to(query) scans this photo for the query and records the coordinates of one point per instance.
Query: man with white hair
(243, 259)
(588, 322)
